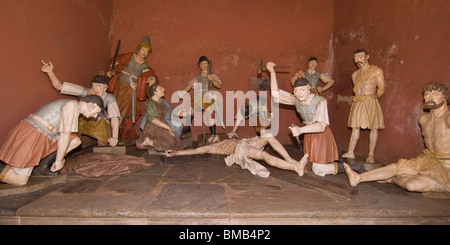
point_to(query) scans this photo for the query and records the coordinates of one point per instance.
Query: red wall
(233, 33)
(74, 35)
(409, 40)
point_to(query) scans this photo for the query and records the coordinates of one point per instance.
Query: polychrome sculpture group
(109, 110)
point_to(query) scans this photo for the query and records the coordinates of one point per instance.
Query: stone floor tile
(91, 205)
(191, 200)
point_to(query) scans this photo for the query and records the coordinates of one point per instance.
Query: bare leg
(277, 146)
(74, 143)
(300, 167)
(373, 137)
(257, 154)
(419, 183)
(15, 179)
(353, 140)
(382, 173)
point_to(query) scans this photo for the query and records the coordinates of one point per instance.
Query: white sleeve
(217, 78)
(113, 110)
(73, 89)
(283, 97)
(322, 112)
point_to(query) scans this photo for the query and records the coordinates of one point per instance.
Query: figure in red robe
(130, 77)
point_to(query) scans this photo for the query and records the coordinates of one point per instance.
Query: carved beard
(431, 105)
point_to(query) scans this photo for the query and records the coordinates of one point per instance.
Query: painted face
(92, 110)
(99, 88)
(204, 65)
(360, 58)
(160, 91)
(433, 99)
(302, 92)
(312, 64)
(143, 52)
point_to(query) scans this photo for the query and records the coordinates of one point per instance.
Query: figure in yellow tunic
(368, 86)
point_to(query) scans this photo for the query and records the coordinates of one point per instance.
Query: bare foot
(353, 177)
(57, 165)
(348, 155)
(300, 166)
(370, 159)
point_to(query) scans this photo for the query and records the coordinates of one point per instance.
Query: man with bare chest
(430, 171)
(368, 87)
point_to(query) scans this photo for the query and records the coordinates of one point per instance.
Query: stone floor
(203, 190)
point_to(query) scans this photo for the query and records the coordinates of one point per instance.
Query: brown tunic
(162, 139)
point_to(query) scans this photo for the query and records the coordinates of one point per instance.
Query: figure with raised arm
(318, 142)
(105, 128)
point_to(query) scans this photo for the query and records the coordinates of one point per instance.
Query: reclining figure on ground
(244, 152)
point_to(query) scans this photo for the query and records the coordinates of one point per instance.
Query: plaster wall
(74, 35)
(234, 34)
(409, 41)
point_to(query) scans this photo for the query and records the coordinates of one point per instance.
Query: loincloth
(433, 165)
(366, 112)
(240, 158)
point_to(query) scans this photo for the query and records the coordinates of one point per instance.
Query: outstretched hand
(46, 67)
(232, 135)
